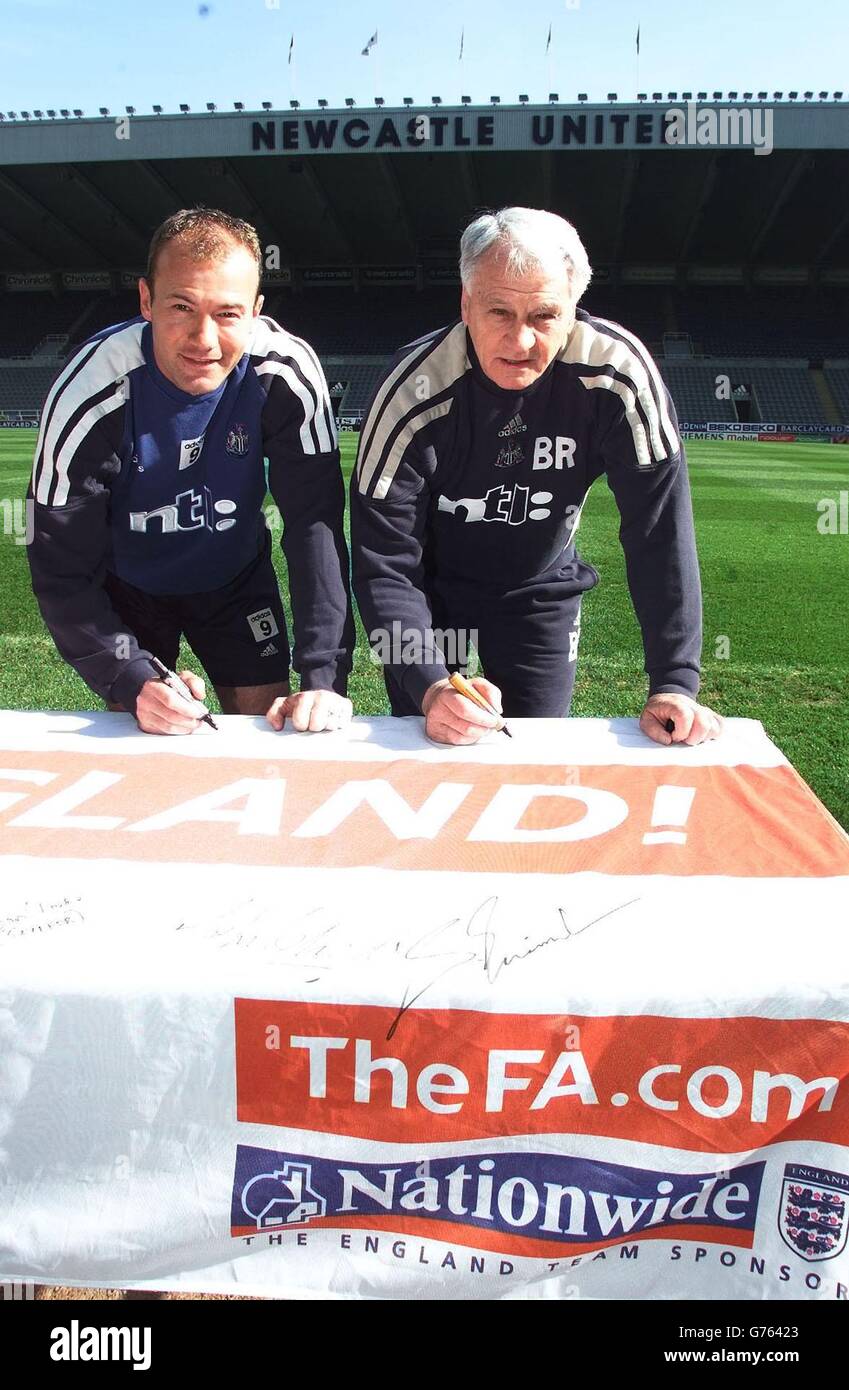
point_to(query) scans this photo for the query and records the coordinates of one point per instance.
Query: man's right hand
(451, 718)
(160, 710)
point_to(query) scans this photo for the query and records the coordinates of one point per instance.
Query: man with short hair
(148, 488)
(475, 458)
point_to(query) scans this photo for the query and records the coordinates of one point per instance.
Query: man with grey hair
(477, 453)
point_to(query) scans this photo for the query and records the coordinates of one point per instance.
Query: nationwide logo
(284, 1197)
(512, 427)
(520, 1202)
(238, 441)
(814, 1212)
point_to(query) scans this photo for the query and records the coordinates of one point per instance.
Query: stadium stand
(693, 389)
(24, 387)
(26, 318)
(837, 379)
(366, 242)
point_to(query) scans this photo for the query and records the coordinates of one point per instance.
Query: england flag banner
(354, 1015)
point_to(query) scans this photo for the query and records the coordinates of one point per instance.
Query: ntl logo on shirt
(189, 511)
(520, 1202)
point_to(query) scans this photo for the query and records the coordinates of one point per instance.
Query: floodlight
(554, 96)
(467, 101)
(671, 96)
(436, 101)
(349, 102)
(657, 96)
(51, 114)
(104, 111)
(791, 96)
(238, 106)
(210, 106)
(582, 96)
(130, 110)
(183, 107)
(611, 96)
(322, 101)
(157, 111)
(408, 101)
(523, 97)
(267, 105)
(295, 105)
(686, 96)
(495, 100)
(378, 101)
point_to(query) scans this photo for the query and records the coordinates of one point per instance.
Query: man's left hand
(311, 711)
(694, 723)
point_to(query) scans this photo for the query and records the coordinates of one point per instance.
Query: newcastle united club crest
(238, 441)
(512, 452)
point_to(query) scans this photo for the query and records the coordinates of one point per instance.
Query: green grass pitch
(775, 599)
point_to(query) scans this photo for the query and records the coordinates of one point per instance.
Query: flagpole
(549, 57)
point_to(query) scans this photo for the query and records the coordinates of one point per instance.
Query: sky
(113, 53)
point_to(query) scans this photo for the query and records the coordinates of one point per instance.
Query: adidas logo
(269, 650)
(512, 427)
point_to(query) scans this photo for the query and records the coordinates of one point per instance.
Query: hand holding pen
(458, 711)
(172, 704)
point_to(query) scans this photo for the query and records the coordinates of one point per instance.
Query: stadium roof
(387, 187)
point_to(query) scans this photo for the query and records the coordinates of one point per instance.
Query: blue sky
(91, 53)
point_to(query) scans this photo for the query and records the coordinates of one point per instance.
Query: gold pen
(462, 685)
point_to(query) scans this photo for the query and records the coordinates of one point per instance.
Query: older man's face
(518, 324)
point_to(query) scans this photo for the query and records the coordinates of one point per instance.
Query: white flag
(370, 45)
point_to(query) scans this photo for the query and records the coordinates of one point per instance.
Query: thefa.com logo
(813, 1216)
(534, 1202)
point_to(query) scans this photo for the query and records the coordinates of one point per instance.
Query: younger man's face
(202, 314)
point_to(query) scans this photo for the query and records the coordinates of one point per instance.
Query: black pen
(172, 680)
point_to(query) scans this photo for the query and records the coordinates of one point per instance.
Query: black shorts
(527, 643)
(237, 632)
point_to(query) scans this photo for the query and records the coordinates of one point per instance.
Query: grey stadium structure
(718, 232)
